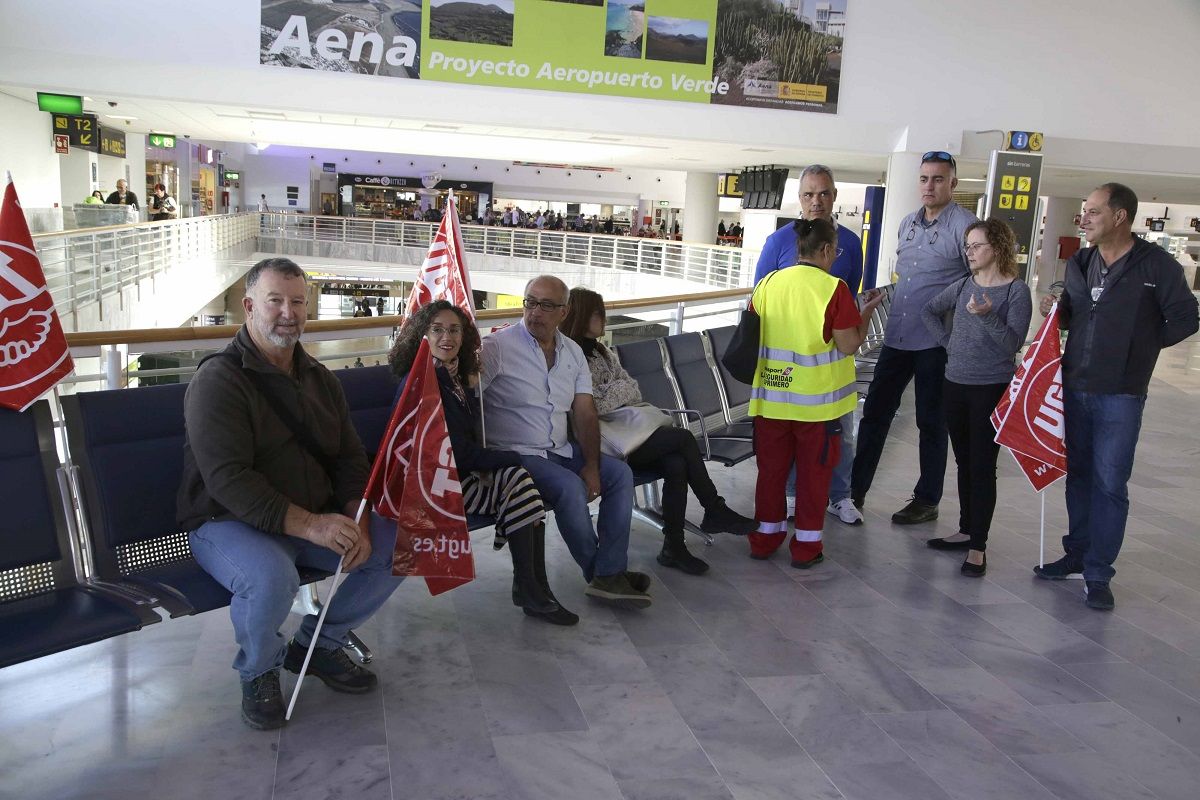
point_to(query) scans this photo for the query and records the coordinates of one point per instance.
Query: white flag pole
(453, 244)
(337, 579)
(1042, 538)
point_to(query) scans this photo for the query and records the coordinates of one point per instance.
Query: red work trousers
(815, 448)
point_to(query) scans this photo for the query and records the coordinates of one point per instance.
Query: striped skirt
(509, 494)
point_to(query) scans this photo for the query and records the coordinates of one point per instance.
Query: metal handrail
(84, 265)
(710, 264)
(117, 350)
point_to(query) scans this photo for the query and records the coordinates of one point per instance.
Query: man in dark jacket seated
(1125, 300)
(273, 475)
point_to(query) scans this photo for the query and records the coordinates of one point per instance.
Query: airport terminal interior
(645, 150)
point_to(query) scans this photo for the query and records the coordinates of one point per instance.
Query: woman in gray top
(981, 320)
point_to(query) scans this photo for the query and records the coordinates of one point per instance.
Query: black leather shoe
(915, 513)
(559, 616)
(945, 544)
(974, 570)
(1099, 596)
(726, 520)
(262, 702)
(1059, 570)
(332, 667)
(678, 557)
(812, 562)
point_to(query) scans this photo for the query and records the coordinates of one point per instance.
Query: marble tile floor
(881, 674)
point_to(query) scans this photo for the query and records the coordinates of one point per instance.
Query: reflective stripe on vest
(795, 398)
(799, 359)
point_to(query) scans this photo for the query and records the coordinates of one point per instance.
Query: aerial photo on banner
(783, 54)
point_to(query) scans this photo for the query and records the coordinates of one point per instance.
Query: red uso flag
(33, 349)
(1029, 418)
(415, 482)
(443, 274)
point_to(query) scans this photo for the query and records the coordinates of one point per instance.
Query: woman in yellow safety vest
(811, 327)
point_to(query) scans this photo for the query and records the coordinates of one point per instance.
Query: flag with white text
(415, 482)
(34, 355)
(1030, 419)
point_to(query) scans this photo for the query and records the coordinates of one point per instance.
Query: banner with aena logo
(759, 53)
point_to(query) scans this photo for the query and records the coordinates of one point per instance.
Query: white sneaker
(845, 511)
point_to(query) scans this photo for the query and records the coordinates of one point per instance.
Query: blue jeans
(1102, 433)
(839, 486)
(604, 551)
(260, 570)
(893, 371)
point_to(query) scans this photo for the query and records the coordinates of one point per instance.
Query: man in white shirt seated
(532, 376)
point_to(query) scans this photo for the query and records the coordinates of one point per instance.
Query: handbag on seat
(625, 429)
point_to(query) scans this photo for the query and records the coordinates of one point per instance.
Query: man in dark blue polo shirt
(929, 258)
(817, 195)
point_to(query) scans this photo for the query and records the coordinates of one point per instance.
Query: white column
(903, 196)
(700, 207)
(644, 209)
(1060, 221)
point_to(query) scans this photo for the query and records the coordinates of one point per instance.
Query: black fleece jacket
(1114, 343)
(241, 461)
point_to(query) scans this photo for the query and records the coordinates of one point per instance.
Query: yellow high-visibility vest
(800, 376)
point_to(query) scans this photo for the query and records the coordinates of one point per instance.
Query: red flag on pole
(443, 274)
(415, 482)
(1029, 418)
(33, 348)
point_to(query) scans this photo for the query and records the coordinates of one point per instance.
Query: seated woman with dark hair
(493, 481)
(670, 451)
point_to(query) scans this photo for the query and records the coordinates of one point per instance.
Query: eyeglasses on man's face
(973, 246)
(545, 305)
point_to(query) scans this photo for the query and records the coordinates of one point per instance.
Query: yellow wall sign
(508, 301)
(729, 185)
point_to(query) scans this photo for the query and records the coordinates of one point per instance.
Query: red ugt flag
(33, 349)
(415, 482)
(443, 274)
(1029, 418)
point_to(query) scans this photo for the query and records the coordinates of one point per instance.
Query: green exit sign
(71, 104)
(166, 140)
(233, 176)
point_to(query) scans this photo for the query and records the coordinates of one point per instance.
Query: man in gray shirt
(928, 259)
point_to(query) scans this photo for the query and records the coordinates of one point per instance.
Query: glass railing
(86, 264)
(708, 264)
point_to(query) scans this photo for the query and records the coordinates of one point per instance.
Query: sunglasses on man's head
(939, 155)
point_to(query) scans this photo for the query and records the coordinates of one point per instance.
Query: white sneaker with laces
(845, 511)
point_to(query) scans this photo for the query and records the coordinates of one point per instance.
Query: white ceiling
(381, 134)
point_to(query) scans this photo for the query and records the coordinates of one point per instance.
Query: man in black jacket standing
(1125, 300)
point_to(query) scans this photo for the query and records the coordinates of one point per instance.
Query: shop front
(407, 198)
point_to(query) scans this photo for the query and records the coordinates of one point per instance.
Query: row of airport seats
(89, 547)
